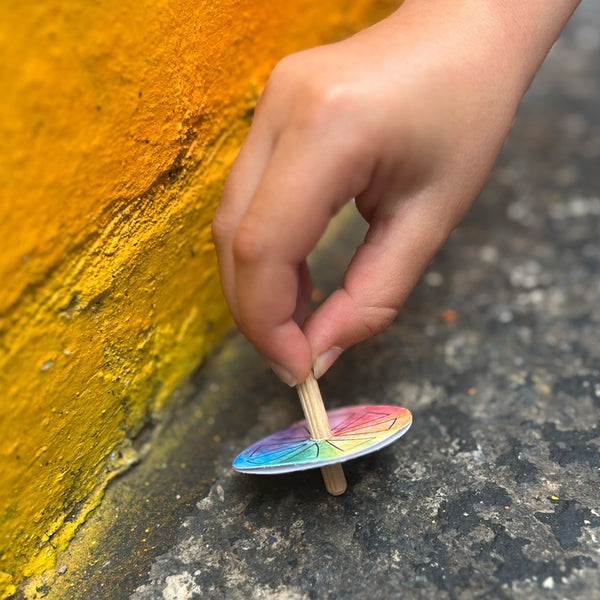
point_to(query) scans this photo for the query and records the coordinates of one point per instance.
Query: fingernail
(283, 374)
(325, 360)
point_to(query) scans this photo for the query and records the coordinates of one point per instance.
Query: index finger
(305, 183)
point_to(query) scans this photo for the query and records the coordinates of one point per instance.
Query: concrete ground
(493, 493)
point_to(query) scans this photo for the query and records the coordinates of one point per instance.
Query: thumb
(379, 278)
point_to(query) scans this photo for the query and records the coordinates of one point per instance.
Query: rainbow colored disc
(355, 431)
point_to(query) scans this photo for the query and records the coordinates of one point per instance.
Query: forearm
(533, 26)
(513, 36)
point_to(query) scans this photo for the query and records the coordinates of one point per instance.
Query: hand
(407, 117)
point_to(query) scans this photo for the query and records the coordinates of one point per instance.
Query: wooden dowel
(318, 425)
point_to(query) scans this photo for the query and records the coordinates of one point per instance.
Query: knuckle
(220, 228)
(284, 80)
(374, 319)
(248, 243)
(285, 69)
(321, 95)
(325, 104)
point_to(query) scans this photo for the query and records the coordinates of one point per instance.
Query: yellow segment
(118, 121)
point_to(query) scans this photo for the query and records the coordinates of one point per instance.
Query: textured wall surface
(118, 124)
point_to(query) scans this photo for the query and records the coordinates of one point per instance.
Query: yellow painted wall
(118, 122)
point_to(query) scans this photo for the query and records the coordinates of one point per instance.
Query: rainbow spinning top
(325, 439)
(355, 431)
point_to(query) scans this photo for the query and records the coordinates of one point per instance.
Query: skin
(408, 118)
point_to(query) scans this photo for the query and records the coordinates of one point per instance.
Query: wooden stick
(318, 425)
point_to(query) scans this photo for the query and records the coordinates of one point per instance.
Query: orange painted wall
(118, 122)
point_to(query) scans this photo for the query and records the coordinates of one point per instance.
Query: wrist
(511, 36)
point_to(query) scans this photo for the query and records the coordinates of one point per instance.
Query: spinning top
(325, 439)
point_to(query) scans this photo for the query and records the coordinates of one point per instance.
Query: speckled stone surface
(495, 491)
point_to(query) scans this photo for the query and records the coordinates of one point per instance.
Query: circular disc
(355, 431)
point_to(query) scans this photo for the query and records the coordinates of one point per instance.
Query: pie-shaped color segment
(355, 431)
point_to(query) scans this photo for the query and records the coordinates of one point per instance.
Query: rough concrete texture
(494, 492)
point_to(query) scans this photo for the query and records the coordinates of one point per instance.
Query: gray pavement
(493, 493)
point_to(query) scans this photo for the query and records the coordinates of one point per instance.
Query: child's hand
(407, 117)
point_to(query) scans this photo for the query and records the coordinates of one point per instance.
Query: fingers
(240, 186)
(382, 273)
(305, 288)
(298, 193)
